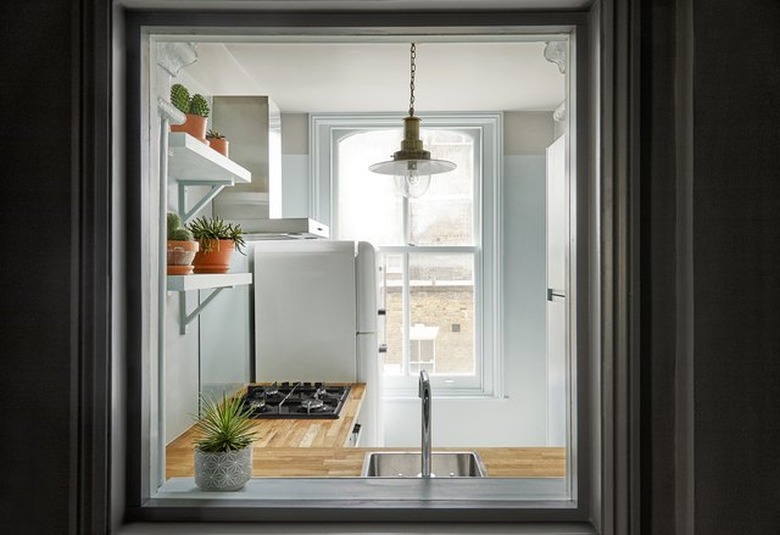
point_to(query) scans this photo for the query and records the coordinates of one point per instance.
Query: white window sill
(542, 493)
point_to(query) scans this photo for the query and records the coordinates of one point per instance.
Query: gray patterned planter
(224, 470)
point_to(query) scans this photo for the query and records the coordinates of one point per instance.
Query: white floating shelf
(193, 161)
(206, 281)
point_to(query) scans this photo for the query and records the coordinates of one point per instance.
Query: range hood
(250, 210)
(255, 128)
(298, 228)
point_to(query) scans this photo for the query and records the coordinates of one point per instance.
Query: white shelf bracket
(185, 318)
(185, 214)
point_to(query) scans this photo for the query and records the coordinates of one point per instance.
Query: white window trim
(325, 129)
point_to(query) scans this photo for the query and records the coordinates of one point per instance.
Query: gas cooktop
(296, 400)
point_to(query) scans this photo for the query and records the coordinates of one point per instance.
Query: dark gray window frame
(609, 503)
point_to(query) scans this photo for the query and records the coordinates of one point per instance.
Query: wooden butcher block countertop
(348, 462)
(315, 448)
(296, 432)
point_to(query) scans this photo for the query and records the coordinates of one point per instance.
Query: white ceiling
(374, 76)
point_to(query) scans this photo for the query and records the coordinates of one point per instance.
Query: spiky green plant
(209, 230)
(213, 134)
(180, 234)
(199, 105)
(180, 98)
(173, 222)
(225, 426)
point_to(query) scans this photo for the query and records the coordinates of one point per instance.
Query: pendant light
(412, 166)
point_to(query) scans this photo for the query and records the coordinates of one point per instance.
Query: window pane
(445, 214)
(369, 208)
(442, 313)
(394, 316)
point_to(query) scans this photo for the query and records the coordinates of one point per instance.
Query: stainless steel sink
(408, 464)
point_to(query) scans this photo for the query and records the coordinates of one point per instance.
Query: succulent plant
(213, 134)
(180, 98)
(199, 105)
(180, 234)
(226, 426)
(209, 230)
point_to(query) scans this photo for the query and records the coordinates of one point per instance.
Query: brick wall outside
(447, 307)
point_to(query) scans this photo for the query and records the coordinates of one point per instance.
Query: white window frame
(325, 132)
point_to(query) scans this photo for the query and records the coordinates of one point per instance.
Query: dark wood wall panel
(737, 266)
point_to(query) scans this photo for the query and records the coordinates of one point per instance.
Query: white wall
(214, 354)
(517, 419)
(520, 418)
(181, 371)
(295, 165)
(225, 337)
(182, 353)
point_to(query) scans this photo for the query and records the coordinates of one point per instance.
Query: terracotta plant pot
(180, 256)
(194, 125)
(217, 260)
(220, 145)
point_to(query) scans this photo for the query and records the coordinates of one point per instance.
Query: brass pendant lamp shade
(412, 166)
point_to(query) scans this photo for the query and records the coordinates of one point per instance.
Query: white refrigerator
(317, 318)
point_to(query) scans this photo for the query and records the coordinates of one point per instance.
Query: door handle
(555, 295)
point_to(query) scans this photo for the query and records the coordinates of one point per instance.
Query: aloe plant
(225, 426)
(180, 97)
(209, 230)
(199, 105)
(213, 134)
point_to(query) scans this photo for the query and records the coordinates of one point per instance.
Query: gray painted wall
(736, 265)
(741, 367)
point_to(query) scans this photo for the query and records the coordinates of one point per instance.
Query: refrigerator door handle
(555, 295)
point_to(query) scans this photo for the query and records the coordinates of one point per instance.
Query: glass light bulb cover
(412, 185)
(422, 167)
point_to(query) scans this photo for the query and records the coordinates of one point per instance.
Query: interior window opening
(471, 281)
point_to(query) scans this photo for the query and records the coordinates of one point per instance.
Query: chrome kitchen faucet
(425, 396)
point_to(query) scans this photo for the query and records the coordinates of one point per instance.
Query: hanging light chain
(413, 69)
(412, 165)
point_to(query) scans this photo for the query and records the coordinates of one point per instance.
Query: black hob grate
(296, 400)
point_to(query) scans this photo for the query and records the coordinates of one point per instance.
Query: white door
(557, 264)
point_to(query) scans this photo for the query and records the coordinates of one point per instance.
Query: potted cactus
(218, 142)
(196, 110)
(223, 445)
(181, 247)
(218, 240)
